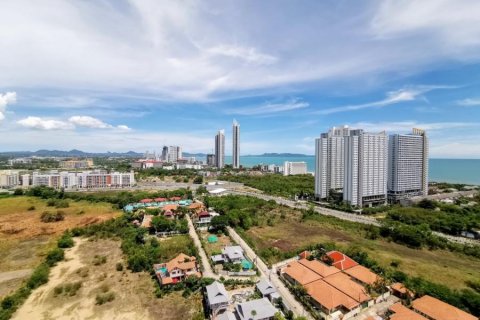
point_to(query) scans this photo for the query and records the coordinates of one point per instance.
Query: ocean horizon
(465, 171)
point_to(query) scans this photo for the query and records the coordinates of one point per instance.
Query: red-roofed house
(146, 200)
(176, 198)
(177, 269)
(160, 199)
(341, 261)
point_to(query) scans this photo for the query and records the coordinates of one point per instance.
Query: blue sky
(135, 75)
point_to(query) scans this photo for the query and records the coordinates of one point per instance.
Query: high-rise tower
(220, 149)
(235, 144)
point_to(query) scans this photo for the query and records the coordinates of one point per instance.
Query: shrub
(51, 202)
(18, 192)
(102, 298)
(83, 272)
(119, 266)
(66, 241)
(54, 256)
(31, 208)
(48, 216)
(61, 204)
(39, 276)
(98, 260)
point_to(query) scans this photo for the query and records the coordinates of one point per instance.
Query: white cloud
(89, 122)
(393, 97)
(73, 122)
(406, 126)
(6, 99)
(271, 108)
(469, 102)
(124, 127)
(194, 50)
(250, 55)
(38, 123)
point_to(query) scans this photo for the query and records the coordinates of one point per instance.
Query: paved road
(287, 297)
(344, 215)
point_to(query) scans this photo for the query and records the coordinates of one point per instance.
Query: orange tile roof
(344, 283)
(439, 310)
(400, 287)
(167, 280)
(170, 207)
(300, 273)
(401, 313)
(304, 254)
(147, 221)
(318, 267)
(182, 262)
(196, 205)
(362, 274)
(341, 261)
(328, 296)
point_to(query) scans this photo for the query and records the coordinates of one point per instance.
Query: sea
(440, 170)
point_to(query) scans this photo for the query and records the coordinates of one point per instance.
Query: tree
(219, 222)
(427, 204)
(198, 180)
(161, 224)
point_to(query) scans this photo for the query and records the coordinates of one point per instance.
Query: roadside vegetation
(276, 184)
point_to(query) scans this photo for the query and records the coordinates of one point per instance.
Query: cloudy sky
(124, 75)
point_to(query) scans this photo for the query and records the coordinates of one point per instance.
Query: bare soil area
(93, 265)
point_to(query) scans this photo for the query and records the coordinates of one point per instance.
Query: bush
(62, 204)
(18, 192)
(54, 256)
(98, 260)
(48, 216)
(31, 208)
(119, 266)
(66, 241)
(39, 276)
(102, 298)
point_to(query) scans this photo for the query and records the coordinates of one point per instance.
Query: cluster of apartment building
(67, 180)
(371, 168)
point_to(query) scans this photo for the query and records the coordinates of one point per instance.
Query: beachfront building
(220, 149)
(329, 161)
(294, 168)
(235, 145)
(210, 160)
(366, 160)
(407, 165)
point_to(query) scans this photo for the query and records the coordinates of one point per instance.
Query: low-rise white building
(293, 168)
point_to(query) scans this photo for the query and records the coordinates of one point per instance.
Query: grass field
(24, 239)
(291, 234)
(133, 293)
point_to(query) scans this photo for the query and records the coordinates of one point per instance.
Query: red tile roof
(345, 284)
(160, 199)
(328, 296)
(341, 261)
(319, 268)
(176, 198)
(300, 273)
(362, 274)
(146, 200)
(439, 310)
(401, 313)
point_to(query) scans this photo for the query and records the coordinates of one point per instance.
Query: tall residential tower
(407, 165)
(220, 149)
(329, 161)
(366, 160)
(235, 144)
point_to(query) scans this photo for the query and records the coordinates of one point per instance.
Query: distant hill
(71, 153)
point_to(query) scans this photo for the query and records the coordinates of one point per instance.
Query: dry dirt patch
(134, 292)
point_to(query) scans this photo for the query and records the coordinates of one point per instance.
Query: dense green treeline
(117, 198)
(286, 186)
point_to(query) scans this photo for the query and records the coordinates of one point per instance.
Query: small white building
(293, 168)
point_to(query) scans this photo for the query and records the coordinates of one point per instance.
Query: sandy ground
(134, 298)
